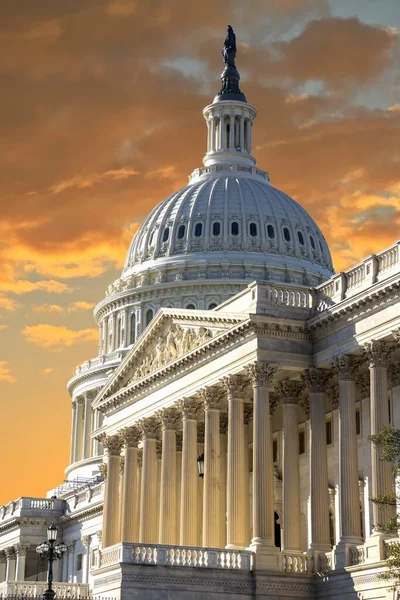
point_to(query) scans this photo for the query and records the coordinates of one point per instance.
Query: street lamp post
(51, 552)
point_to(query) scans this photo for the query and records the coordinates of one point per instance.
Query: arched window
(271, 232)
(165, 235)
(312, 242)
(149, 316)
(198, 230)
(118, 338)
(216, 229)
(190, 307)
(212, 305)
(133, 328)
(181, 232)
(286, 234)
(235, 228)
(301, 238)
(253, 229)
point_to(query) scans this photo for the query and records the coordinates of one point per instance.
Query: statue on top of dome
(229, 48)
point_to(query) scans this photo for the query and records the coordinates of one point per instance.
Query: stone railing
(357, 555)
(288, 296)
(180, 556)
(324, 562)
(228, 167)
(297, 563)
(32, 507)
(30, 589)
(372, 269)
(100, 361)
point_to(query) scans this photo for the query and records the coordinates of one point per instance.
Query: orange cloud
(46, 371)
(54, 337)
(80, 305)
(56, 308)
(5, 372)
(8, 304)
(47, 308)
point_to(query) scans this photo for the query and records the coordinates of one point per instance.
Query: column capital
(149, 427)
(396, 334)
(261, 373)
(212, 398)
(85, 539)
(74, 404)
(394, 373)
(20, 549)
(315, 379)
(376, 352)
(80, 400)
(3, 557)
(363, 384)
(235, 385)
(99, 535)
(9, 552)
(91, 394)
(290, 391)
(168, 418)
(112, 443)
(189, 408)
(345, 366)
(131, 436)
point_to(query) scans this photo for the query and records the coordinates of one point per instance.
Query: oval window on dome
(198, 229)
(181, 232)
(286, 234)
(165, 235)
(212, 305)
(235, 228)
(301, 238)
(253, 229)
(216, 229)
(312, 242)
(271, 232)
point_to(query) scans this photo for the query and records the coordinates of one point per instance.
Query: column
(222, 127)
(71, 555)
(189, 484)
(20, 551)
(148, 498)
(261, 375)
(129, 522)
(114, 331)
(64, 576)
(3, 566)
(212, 145)
(167, 528)
(346, 367)
(290, 391)
(73, 432)
(211, 494)
(87, 424)
(113, 445)
(139, 486)
(223, 463)
(10, 569)
(237, 488)
(242, 145)
(248, 136)
(316, 379)
(79, 429)
(85, 558)
(178, 484)
(377, 353)
(231, 131)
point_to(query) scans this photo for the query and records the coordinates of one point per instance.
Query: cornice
(83, 513)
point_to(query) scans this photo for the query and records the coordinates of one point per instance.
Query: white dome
(231, 213)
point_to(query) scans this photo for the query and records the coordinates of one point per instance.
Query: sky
(101, 118)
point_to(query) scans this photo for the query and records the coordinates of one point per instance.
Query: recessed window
(216, 229)
(271, 232)
(312, 242)
(328, 426)
(275, 450)
(286, 234)
(198, 230)
(212, 305)
(190, 307)
(133, 328)
(253, 229)
(235, 228)
(79, 562)
(149, 316)
(302, 441)
(181, 232)
(301, 238)
(358, 421)
(165, 235)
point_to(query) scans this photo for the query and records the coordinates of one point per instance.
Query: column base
(320, 548)
(267, 558)
(341, 552)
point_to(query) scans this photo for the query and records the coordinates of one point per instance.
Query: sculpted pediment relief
(176, 342)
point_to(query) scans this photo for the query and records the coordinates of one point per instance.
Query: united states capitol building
(219, 444)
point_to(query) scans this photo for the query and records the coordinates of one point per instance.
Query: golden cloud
(5, 372)
(47, 308)
(46, 371)
(56, 308)
(80, 305)
(54, 337)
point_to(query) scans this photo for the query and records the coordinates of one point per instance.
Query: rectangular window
(275, 450)
(79, 562)
(329, 439)
(302, 441)
(358, 421)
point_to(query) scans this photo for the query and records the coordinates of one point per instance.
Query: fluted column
(87, 425)
(261, 375)
(129, 521)
(79, 429)
(148, 499)
(85, 558)
(113, 446)
(211, 495)
(377, 353)
(316, 379)
(71, 556)
(189, 484)
(346, 367)
(73, 432)
(223, 463)
(237, 496)
(178, 483)
(223, 143)
(20, 551)
(231, 131)
(290, 391)
(10, 569)
(3, 566)
(167, 528)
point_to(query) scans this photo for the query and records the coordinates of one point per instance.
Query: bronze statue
(229, 48)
